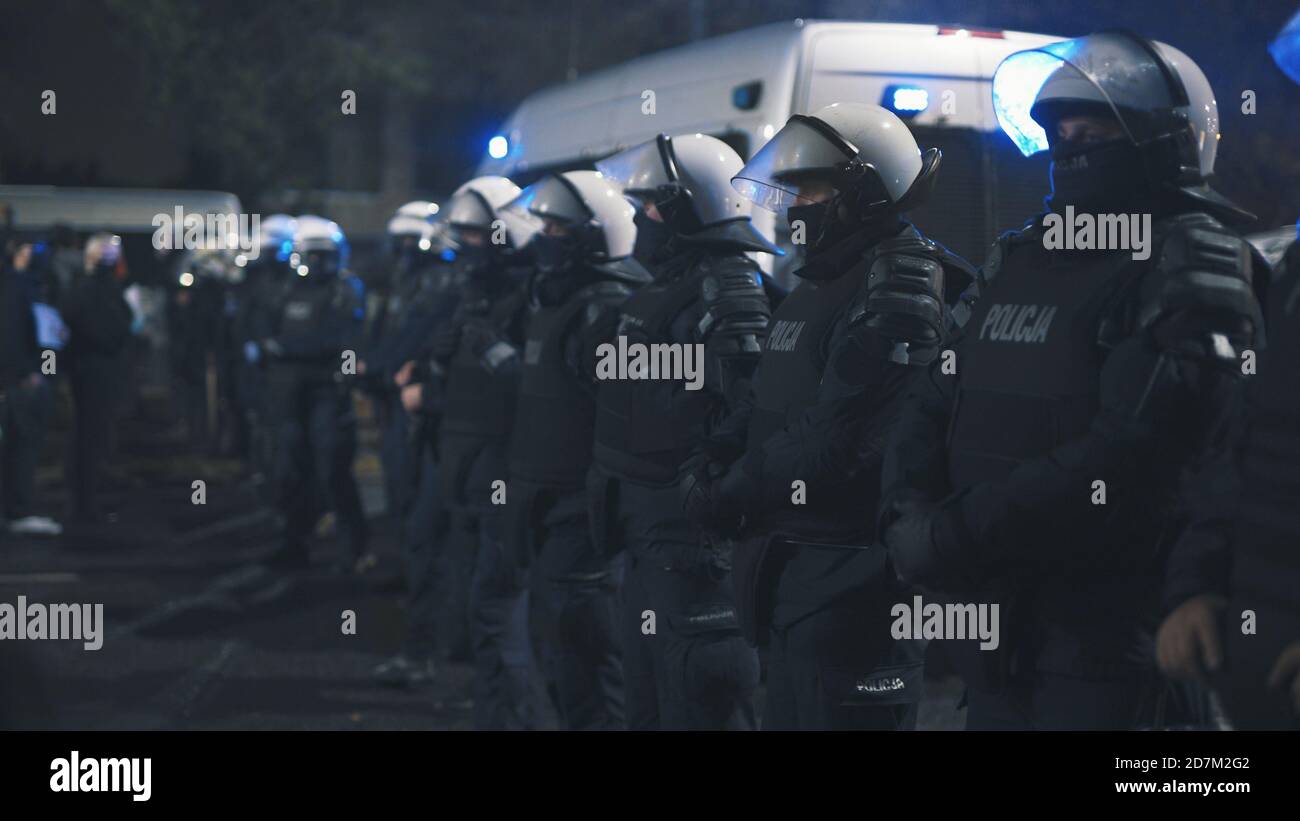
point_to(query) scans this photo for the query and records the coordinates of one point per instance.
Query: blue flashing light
(286, 248)
(498, 147)
(448, 255)
(907, 100)
(1286, 48)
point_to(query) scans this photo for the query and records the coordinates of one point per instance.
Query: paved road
(194, 638)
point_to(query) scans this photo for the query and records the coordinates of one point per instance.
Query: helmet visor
(551, 197)
(640, 170)
(1116, 72)
(469, 209)
(795, 167)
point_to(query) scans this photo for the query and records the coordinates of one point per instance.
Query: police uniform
(690, 669)
(573, 586)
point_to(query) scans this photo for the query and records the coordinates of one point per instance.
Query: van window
(746, 97)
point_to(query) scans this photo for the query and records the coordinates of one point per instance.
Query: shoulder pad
(908, 242)
(910, 262)
(729, 276)
(1003, 245)
(731, 287)
(1201, 263)
(600, 295)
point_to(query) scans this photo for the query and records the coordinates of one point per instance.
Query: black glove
(713, 495)
(445, 341)
(926, 549)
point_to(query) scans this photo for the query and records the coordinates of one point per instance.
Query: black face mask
(474, 258)
(1103, 177)
(814, 217)
(551, 253)
(653, 239)
(827, 223)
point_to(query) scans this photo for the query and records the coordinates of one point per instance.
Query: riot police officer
(693, 671)
(584, 272)
(1232, 580)
(1040, 472)
(266, 276)
(317, 325)
(477, 358)
(796, 470)
(422, 292)
(1237, 560)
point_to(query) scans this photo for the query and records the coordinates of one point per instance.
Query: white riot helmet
(414, 230)
(688, 181)
(414, 219)
(320, 250)
(477, 208)
(103, 251)
(1157, 94)
(582, 216)
(863, 153)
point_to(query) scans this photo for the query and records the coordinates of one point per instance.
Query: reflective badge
(887, 684)
(705, 619)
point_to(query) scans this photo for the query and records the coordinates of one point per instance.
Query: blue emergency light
(906, 101)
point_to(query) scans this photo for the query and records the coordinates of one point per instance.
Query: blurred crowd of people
(67, 320)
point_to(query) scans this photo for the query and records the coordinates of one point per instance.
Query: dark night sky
(483, 57)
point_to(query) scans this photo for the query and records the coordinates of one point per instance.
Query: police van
(742, 88)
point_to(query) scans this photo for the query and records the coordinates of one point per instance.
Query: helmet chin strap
(870, 202)
(675, 206)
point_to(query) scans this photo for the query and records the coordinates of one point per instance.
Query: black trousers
(575, 599)
(505, 673)
(95, 395)
(315, 444)
(423, 537)
(839, 668)
(22, 417)
(685, 664)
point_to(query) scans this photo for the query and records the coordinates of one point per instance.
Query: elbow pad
(735, 320)
(903, 302)
(1199, 299)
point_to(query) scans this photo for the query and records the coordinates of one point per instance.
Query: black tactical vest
(1029, 366)
(481, 404)
(305, 310)
(794, 355)
(552, 438)
(1029, 362)
(645, 427)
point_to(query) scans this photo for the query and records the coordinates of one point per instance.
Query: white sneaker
(36, 526)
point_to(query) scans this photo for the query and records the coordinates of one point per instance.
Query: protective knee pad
(720, 670)
(586, 620)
